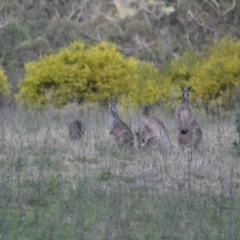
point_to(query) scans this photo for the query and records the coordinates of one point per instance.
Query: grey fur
(121, 132)
(153, 143)
(76, 129)
(190, 134)
(153, 128)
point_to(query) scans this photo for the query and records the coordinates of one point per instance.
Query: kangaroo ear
(189, 89)
(182, 88)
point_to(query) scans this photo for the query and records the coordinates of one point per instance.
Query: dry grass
(35, 150)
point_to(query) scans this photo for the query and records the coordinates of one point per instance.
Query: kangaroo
(121, 132)
(153, 143)
(190, 134)
(152, 132)
(76, 129)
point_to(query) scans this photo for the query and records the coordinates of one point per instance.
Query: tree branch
(111, 20)
(153, 11)
(5, 17)
(96, 38)
(75, 8)
(229, 9)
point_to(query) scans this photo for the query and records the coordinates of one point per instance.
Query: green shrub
(10, 36)
(105, 175)
(97, 73)
(5, 88)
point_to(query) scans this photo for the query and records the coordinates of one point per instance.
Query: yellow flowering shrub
(215, 78)
(100, 72)
(177, 73)
(5, 88)
(217, 81)
(94, 74)
(146, 88)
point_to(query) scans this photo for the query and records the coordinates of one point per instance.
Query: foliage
(25, 51)
(97, 73)
(60, 32)
(176, 73)
(154, 31)
(5, 89)
(10, 37)
(215, 78)
(147, 87)
(218, 79)
(100, 72)
(31, 50)
(105, 175)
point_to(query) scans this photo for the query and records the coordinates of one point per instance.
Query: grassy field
(51, 188)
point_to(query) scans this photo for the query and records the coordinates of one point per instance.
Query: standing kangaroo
(152, 133)
(190, 134)
(76, 129)
(121, 132)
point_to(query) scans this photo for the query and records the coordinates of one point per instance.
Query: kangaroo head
(113, 108)
(186, 93)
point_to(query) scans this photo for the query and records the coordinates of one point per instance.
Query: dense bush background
(97, 73)
(91, 74)
(160, 32)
